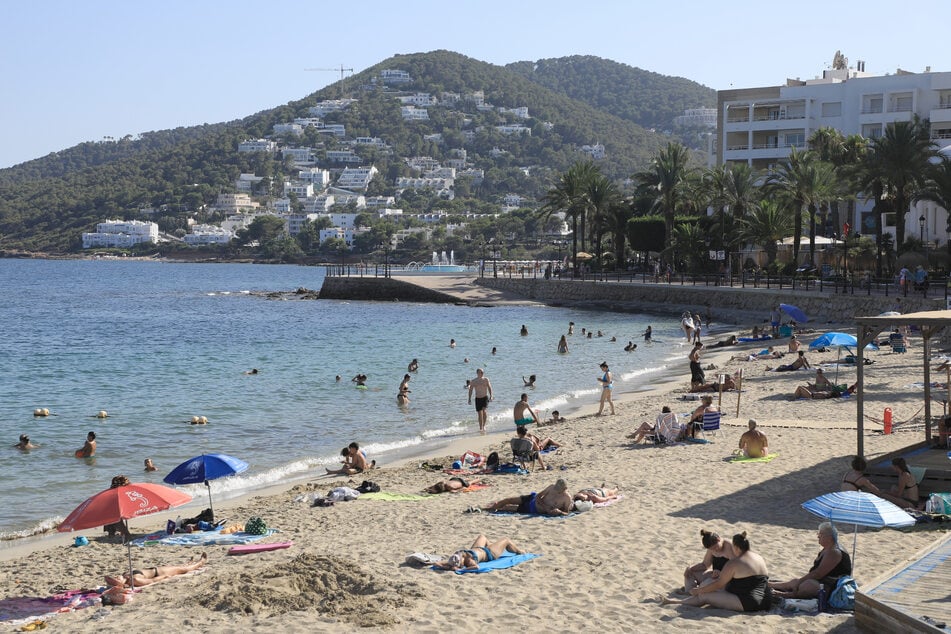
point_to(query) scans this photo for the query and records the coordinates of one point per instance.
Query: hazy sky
(79, 71)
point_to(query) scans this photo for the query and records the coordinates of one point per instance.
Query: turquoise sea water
(156, 343)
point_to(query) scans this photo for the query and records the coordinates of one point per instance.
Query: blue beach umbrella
(795, 312)
(830, 339)
(205, 467)
(860, 509)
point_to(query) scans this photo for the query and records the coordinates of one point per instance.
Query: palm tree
(667, 176)
(900, 159)
(688, 239)
(938, 186)
(569, 196)
(601, 195)
(766, 225)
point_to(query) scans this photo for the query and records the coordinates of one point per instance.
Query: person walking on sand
(753, 443)
(483, 393)
(697, 376)
(607, 388)
(523, 413)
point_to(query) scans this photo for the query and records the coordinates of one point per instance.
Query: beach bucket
(888, 420)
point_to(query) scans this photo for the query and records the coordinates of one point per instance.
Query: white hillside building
(357, 177)
(121, 233)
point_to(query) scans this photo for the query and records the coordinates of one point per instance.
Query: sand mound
(330, 585)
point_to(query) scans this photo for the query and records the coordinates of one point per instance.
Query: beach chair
(710, 424)
(667, 430)
(898, 343)
(523, 451)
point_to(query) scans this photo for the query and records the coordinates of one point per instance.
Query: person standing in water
(89, 447)
(647, 334)
(562, 345)
(401, 396)
(483, 393)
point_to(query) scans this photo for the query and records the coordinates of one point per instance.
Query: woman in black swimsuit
(719, 551)
(155, 574)
(832, 563)
(855, 479)
(742, 585)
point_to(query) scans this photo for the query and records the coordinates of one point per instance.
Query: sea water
(156, 343)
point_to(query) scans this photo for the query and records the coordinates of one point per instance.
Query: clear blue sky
(79, 71)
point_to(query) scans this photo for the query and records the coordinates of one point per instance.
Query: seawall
(381, 289)
(725, 304)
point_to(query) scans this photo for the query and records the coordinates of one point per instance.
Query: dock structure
(915, 597)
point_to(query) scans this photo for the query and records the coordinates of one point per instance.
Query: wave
(44, 526)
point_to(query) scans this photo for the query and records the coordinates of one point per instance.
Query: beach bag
(255, 526)
(492, 461)
(368, 487)
(939, 503)
(843, 597)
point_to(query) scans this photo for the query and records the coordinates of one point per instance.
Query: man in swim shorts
(483, 393)
(552, 500)
(523, 413)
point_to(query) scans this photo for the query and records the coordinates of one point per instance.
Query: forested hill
(648, 99)
(46, 204)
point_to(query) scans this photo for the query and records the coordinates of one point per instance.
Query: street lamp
(482, 263)
(921, 225)
(386, 257)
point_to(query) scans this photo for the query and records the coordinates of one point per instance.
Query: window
(872, 130)
(832, 109)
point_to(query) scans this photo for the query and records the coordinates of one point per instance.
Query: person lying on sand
(808, 391)
(596, 494)
(481, 550)
(155, 574)
(452, 485)
(767, 353)
(552, 500)
(799, 363)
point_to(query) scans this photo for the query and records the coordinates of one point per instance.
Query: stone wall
(380, 289)
(731, 305)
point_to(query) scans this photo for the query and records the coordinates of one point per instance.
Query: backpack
(843, 597)
(368, 487)
(255, 526)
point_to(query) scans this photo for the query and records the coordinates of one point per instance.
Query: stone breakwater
(725, 304)
(381, 289)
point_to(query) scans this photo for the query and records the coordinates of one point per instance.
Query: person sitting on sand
(542, 444)
(598, 495)
(552, 500)
(801, 362)
(25, 444)
(742, 585)
(480, 551)
(155, 574)
(756, 333)
(753, 443)
(524, 448)
(794, 344)
(855, 479)
(149, 465)
(452, 485)
(530, 382)
(719, 551)
(523, 412)
(729, 383)
(555, 418)
(905, 492)
(120, 526)
(832, 563)
(822, 382)
(354, 463)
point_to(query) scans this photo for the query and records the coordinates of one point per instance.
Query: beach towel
(600, 505)
(765, 458)
(507, 560)
(699, 441)
(19, 611)
(201, 538)
(530, 515)
(394, 497)
(475, 487)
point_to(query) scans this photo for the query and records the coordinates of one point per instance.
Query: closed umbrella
(205, 467)
(122, 504)
(795, 312)
(858, 508)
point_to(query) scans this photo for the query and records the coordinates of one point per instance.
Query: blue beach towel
(530, 515)
(201, 538)
(507, 560)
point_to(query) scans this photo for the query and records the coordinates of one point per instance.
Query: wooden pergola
(930, 322)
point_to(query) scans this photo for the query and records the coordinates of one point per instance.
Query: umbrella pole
(855, 537)
(128, 545)
(210, 505)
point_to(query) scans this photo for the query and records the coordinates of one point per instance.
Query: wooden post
(739, 391)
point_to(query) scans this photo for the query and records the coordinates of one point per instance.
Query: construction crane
(341, 70)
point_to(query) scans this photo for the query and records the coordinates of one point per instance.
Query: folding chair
(710, 423)
(523, 451)
(667, 430)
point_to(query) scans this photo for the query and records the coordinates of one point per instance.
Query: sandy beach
(603, 569)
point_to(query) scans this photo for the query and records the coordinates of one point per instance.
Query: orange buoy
(888, 420)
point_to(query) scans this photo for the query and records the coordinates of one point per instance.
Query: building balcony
(940, 115)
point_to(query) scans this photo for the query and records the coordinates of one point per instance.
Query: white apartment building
(121, 233)
(513, 128)
(288, 128)
(257, 145)
(281, 206)
(520, 112)
(421, 163)
(393, 76)
(595, 151)
(301, 190)
(421, 99)
(412, 113)
(319, 177)
(294, 223)
(234, 203)
(343, 156)
(373, 202)
(357, 177)
(371, 141)
(247, 182)
(320, 204)
(343, 220)
(441, 172)
(208, 234)
(760, 126)
(323, 108)
(336, 129)
(474, 174)
(300, 155)
(309, 122)
(239, 221)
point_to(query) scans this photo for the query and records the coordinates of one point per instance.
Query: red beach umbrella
(121, 504)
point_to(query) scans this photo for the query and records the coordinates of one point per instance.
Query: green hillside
(645, 98)
(45, 204)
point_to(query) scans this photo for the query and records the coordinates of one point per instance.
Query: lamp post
(921, 225)
(386, 257)
(482, 263)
